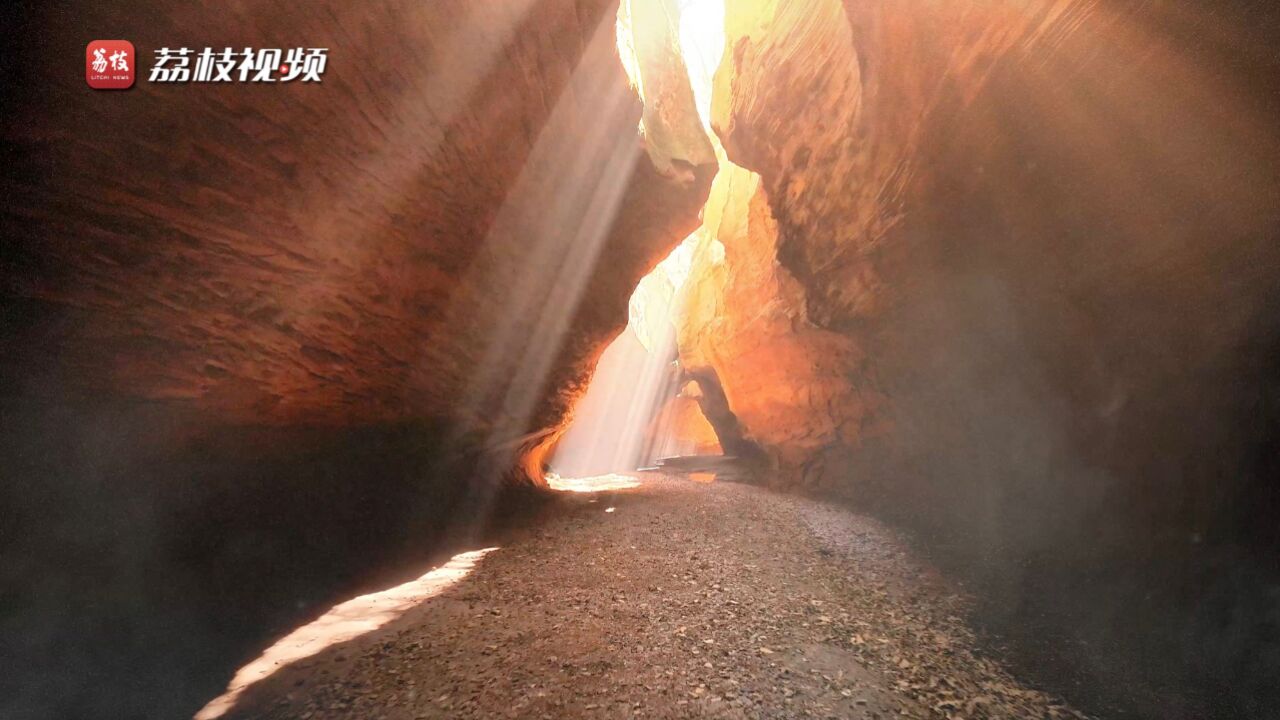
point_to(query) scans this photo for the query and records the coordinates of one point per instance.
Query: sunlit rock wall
(828, 107)
(680, 428)
(787, 381)
(649, 37)
(917, 175)
(1009, 275)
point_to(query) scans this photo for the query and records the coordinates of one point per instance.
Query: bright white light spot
(656, 300)
(702, 45)
(599, 483)
(626, 47)
(349, 620)
(610, 509)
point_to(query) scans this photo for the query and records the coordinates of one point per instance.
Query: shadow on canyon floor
(142, 567)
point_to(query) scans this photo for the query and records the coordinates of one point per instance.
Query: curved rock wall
(786, 380)
(285, 254)
(1009, 275)
(829, 105)
(254, 337)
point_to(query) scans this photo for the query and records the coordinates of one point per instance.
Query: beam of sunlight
(561, 208)
(595, 484)
(539, 254)
(612, 428)
(627, 419)
(341, 623)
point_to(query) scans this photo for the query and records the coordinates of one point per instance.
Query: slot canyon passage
(663, 358)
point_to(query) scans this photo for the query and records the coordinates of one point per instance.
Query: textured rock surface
(285, 254)
(1017, 264)
(680, 428)
(676, 138)
(250, 333)
(1006, 270)
(787, 381)
(828, 105)
(920, 178)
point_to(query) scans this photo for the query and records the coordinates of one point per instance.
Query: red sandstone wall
(296, 253)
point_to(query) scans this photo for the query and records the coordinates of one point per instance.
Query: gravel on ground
(673, 599)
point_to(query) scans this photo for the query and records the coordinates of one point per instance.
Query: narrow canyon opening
(640, 408)
(388, 393)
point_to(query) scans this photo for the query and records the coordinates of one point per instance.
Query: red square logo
(110, 64)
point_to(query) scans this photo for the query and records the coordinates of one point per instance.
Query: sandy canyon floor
(671, 599)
